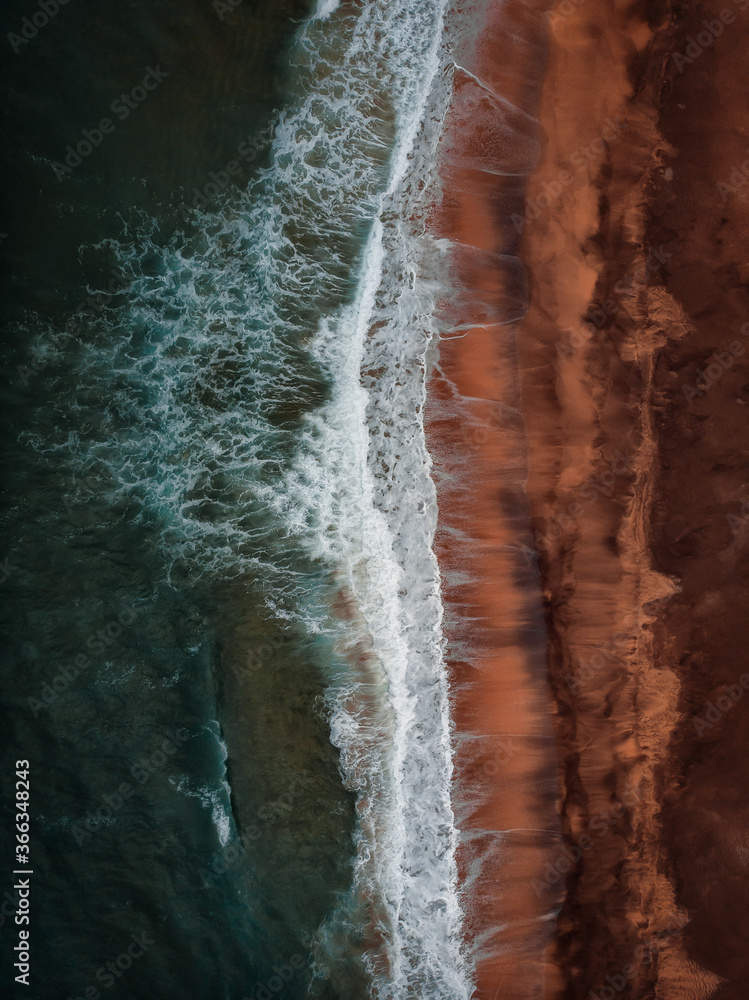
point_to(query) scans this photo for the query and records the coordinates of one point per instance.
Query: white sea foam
(215, 799)
(325, 8)
(367, 465)
(212, 351)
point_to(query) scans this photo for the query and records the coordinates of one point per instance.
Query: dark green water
(162, 672)
(224, 653)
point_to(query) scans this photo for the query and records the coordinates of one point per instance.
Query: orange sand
(568, 509)
(506, 776)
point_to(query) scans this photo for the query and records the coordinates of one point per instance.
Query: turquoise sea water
(224, 651)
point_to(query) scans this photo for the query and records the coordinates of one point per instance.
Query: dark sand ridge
(703, 450)
(586, 395)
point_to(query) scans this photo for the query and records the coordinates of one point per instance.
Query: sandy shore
(601, 434)
(506, 768)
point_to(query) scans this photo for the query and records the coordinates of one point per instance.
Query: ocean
(225, 654)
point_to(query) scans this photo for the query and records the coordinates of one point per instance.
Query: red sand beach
(591, 570)
(506, 760)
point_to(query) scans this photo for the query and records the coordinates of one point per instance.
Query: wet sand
(590, 480)
(506, 762)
